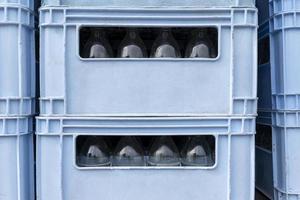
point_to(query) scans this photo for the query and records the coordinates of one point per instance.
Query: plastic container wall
(17, 58)
(220, 86)
(16, 158)
(57, 169)
(19, 3)
(286, 157)
(285, 29)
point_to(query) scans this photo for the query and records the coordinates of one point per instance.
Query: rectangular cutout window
(145, 151)
(137, 42)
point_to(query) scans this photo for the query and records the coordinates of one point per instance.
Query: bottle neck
(132, 34)
(201, 34)
(98, 33)
(165, 33)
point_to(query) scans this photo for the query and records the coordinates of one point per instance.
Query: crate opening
(145, 151)
(141, 42)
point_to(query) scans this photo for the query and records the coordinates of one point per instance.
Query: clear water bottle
(94, 153)
(165, 46)
(129, 152)
(132, 46)
(97, 45)
(200, 46)
(197, 152)
(164, 152)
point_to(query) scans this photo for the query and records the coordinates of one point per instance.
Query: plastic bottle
(97, 45)
(132, 46)
(200, 46)
(196, 152)
(165, 46)
(94, 153)
(164, 152)
(129, 152)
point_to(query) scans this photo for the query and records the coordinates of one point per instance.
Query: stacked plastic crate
(87, 98)
(284, 36)
(263, 164)
(17, 75)
(278, 92)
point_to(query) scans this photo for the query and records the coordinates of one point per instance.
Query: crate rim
(158, 8)
(145, 117)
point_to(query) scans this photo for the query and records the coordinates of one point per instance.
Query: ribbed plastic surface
(10, 126)
(285, 142)
(23, 3)
(16, 158)
(285, 29)
(59, 178)
(108, 126)
(285, 35)
(285, 139)
(73, 86)
(286, 157)
(17, 61)
(151, 3)
(281, 6)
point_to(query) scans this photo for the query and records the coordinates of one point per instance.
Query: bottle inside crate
(94, 153)
(200, 46)
(97, 45)
(196, 152)
(132, 46)
(165, 45)
(148, 42)
(129, 152)
(143, 151)
(164, 152)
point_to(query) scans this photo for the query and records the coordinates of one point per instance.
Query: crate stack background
(281, 100)
(263, 151)
(285, 29)
(113, 96)
(17, 99)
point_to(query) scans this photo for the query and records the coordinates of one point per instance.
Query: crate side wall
(55, 161)
(114, 87)
(16, 169)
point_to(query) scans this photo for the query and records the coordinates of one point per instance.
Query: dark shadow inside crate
(115, 35)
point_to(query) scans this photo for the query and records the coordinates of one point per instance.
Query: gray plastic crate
(281, 6)
(75, 86)
(285, 142)
(19, 3)
(15, 125)
(231, 178)
(16, 158)
(286, 157)
(17, 61)
(284, 37)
